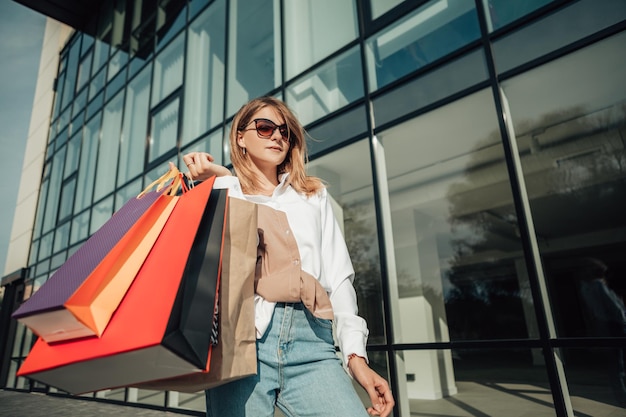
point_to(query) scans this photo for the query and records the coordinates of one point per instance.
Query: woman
(298, 369)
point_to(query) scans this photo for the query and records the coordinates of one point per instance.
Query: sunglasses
(265, 129)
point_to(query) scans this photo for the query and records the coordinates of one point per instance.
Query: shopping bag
(234, 356)
(98, 297)
(45, 312)
(162, 327)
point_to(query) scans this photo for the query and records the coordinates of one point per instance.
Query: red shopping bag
(162, 327)
(107, 254)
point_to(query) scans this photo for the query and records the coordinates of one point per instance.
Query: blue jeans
(298, 372)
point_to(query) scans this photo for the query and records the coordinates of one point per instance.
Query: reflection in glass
(168, 70)
(477, 383)
(88, 153)
(205, 73)
(254, 66)
(432, 31)
(348, 174)
(164, 130)
(570, 135)
(100, 213)
(502, 12)
(56, 176)
(134, 134)
(328, 88)
(307, 36)
(80, 227)
(460, 268)
(211, 144)
(108, 148)
(595, 378)
(380, 7)
(171, 18)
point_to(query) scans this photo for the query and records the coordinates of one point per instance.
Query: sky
(21, 37)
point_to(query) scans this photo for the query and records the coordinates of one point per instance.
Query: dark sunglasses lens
(265, 129)
(284, 132)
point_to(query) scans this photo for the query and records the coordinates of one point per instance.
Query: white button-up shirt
(323, 254)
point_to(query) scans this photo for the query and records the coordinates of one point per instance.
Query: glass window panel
(86, 170)
(71, 158)
(58, 95)
(84, 70)
(328, 88)
(100, 213)
(502, 12)
(109, 147)
(212, 144)
(349, 176)
(196, 7)
(171, 18)
(115, 85)
(576, 21)
(254, 66)
(67, 198)
(459, 264)
(41, 205)
(164, 130)
(595, 380)
(470, 383)
(63, 119)
(429, 33)
(45, 247)
(168, 70)
(80, 227)
(449, 79)
(570, 133)
(116, 63)
(204, 84)
(193, 401)
(61, 139)
(135, 126)
(333, 132)
(87, 43)
(97, 83)
(61, 237)
(124, 195)
(71, 73)
(307, 36)
(52, 205)
(100, 55)
(151, 397)
(95, 106)
(79, 103)
(380, 7)
(32, 256)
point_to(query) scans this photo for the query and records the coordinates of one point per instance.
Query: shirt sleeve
(351, 329)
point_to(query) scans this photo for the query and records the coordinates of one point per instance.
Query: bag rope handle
(174, 175)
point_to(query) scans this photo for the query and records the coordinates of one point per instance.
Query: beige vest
(279, 277)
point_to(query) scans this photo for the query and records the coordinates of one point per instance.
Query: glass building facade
(476, 149)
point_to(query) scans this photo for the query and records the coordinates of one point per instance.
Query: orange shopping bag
(98, 297)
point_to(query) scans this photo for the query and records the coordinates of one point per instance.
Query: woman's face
(265, 149)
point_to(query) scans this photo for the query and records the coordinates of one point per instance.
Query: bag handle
(173, 175)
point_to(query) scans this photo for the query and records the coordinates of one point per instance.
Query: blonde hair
(294, 161)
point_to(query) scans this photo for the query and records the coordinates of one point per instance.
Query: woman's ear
(240, 141)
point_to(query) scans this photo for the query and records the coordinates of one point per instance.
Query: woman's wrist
(351, 357)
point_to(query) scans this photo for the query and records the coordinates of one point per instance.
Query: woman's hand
(377, 388)
(201, 166)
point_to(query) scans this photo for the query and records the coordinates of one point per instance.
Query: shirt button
(296, 261)
(286, 232)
